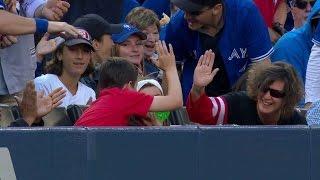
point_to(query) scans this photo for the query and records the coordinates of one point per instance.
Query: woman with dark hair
(72, 60)
(273, 91)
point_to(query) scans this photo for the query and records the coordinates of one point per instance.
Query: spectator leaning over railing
(71, 61)
(233, 29)
(273, 91)
(119, 101)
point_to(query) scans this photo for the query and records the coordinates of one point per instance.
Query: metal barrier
(180, 152)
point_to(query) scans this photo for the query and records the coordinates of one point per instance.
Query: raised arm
(167, 62)
(201, 108)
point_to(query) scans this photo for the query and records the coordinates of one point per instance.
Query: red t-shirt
(114, 107)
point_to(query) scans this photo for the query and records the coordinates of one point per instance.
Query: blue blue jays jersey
(244, 39)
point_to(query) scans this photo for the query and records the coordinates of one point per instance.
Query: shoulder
(177, 24)
(45, 78)
(236, 96)
(288, 38)
(287, 44)
(234, 99)
(240, 6)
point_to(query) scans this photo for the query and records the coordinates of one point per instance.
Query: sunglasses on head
(275, 93)
(303, 4)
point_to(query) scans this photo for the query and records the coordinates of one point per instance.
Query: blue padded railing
(162, 153)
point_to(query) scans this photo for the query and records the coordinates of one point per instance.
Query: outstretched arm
(12, 24)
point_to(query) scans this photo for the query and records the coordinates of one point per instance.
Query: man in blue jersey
(233, 29)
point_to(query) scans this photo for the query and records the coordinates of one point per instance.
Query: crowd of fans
(245, 62)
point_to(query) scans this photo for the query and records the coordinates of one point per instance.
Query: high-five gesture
(34, 105)
(203, 74)
(166, 60)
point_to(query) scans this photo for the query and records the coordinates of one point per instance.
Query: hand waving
(45, 104)
(203, 74)
(166, 59)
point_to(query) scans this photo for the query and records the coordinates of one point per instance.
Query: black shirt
(243, 111)
(220, 84)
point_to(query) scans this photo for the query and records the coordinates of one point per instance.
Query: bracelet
(41, 25)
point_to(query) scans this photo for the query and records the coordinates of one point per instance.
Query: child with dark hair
(119, 101)
(72, 60)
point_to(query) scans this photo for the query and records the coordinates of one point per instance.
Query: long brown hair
(55, 66)
(261, 76)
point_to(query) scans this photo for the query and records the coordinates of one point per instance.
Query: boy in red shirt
(118, 101)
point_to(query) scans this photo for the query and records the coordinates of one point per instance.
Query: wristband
(41, 25)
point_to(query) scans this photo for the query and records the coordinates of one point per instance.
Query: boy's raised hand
(166, 59)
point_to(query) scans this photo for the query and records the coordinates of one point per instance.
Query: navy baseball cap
(83, 38)
(128, 30)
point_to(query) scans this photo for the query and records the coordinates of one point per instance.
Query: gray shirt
(17, 65)
(18, 62)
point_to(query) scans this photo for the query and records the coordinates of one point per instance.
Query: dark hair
(116, 72)
(261, 76)
(142, 18)
(55, 65)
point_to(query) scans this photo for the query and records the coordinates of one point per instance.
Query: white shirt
(312, 86)
(50, 82)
